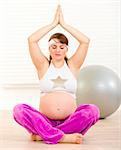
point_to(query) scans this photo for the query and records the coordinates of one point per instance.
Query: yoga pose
(58, 119)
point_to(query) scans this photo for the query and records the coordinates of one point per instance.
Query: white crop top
(58, 79)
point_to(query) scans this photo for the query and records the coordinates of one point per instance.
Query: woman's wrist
(63, 25)
(54, 24)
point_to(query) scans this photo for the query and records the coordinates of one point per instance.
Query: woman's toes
(38, 138)
(78, 138)
(33, 137)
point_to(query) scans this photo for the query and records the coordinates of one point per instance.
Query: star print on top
(58, 79)
(59, 82)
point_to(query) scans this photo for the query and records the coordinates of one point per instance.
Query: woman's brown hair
(62, 39)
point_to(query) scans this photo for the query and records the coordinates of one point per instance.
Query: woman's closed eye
(62, 46)
(54, 47)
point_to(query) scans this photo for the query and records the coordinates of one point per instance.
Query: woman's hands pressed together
(61, 18)
(58, 19)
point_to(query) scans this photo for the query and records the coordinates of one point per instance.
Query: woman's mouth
(57, 54)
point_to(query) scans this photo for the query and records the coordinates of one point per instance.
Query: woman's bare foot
(35, 137)
(72, 138)
(67, 138)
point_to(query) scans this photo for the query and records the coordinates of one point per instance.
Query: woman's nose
(57, 49)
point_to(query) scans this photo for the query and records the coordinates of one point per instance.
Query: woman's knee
(90, 111)
(18, 110)
(94, 111)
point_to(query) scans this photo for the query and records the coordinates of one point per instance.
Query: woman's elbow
(87, 41)
(30, 39)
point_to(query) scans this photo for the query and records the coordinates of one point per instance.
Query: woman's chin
(58, 58)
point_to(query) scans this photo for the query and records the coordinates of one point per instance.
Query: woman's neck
(58, 64)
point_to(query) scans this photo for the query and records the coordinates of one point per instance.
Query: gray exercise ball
(101, 86)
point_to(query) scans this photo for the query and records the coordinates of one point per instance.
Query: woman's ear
(49, 49)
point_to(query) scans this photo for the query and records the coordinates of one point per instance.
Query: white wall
(99, 20)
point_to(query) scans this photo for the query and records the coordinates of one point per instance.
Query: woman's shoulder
(72, 68)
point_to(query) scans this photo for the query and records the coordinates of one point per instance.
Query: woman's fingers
(58, 9)
(58, 6)
(61, 18)
(56, 18)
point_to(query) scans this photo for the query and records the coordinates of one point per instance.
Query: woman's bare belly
(57, 105)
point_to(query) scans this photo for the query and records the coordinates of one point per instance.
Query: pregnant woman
(59, 119)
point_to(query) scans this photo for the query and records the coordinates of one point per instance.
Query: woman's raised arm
(35, 52)
(78, 58)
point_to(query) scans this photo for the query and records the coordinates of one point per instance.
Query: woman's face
(58, 50)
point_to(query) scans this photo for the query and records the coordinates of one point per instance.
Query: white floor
(105, 135)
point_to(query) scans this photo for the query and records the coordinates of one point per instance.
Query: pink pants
(51, 131)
